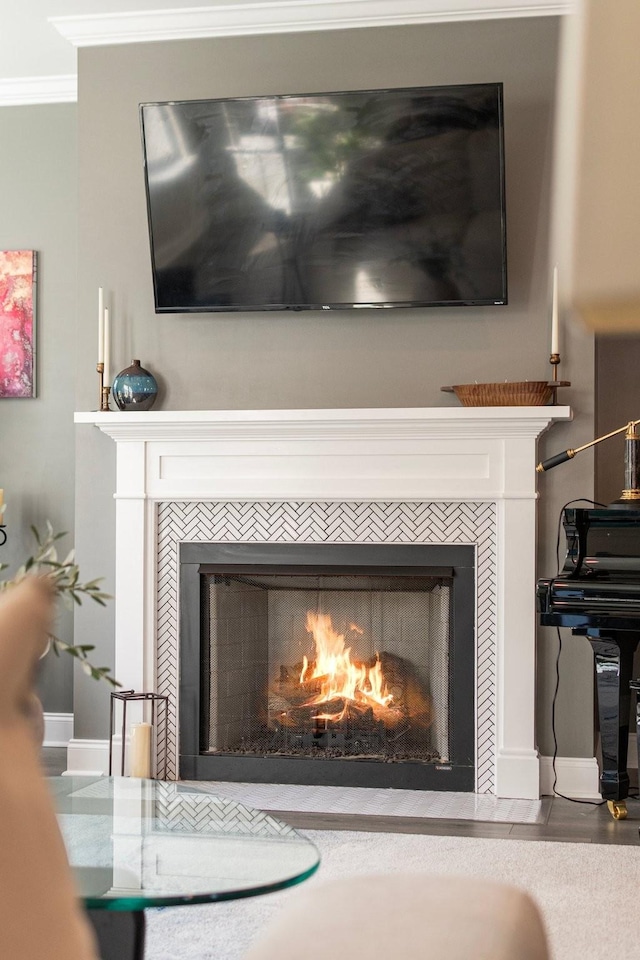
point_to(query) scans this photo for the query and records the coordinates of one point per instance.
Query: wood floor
(564, 821)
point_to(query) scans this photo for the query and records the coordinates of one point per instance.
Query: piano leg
(614, 652)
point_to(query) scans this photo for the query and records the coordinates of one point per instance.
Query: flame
(339, 676)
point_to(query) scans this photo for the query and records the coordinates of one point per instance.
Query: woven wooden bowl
(525, 393)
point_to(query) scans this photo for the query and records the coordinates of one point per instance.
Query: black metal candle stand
(126, 696)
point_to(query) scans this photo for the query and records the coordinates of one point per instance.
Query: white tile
(366, 801)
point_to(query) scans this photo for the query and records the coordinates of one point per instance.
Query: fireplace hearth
(333, 664)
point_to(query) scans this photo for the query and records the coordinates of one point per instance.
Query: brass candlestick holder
(103, 394)
(554, 383)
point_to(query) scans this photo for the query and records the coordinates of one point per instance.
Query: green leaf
(65, 577)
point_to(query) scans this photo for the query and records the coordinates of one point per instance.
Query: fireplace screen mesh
(327, 666)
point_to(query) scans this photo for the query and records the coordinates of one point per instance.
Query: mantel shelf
(379, 423)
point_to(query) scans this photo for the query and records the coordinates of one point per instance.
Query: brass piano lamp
(630, 496)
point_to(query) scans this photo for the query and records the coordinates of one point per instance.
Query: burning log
(300, 712)
(291, 687)
(335, 688)
(409, 692)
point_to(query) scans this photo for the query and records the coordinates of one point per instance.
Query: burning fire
(338, 676)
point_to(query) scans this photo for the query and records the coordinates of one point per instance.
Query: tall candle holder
(103, 391)
(159, 699)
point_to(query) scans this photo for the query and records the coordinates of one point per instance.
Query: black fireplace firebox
(335, 664)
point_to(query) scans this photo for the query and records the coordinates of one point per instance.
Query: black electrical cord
(592, 803)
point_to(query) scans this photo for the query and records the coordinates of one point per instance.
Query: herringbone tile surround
(330, 522)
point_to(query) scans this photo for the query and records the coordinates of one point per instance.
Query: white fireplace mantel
(459, 453)
(436, 457)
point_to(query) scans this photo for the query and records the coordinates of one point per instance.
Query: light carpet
(587, 892)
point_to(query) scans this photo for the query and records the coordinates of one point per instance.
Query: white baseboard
(58, 729)
(578, 777)
(87, 757)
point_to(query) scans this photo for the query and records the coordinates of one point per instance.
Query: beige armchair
(40, 915)
(409, 916)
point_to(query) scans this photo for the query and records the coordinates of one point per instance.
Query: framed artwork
(18, 274)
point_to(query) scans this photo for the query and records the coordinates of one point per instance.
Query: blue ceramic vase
(134, 388)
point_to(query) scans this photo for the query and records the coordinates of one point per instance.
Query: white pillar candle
(554, 314)
(107, 350)
(100, 325)
(140, 750)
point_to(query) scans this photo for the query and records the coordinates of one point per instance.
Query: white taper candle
(554, 314)
(107, 348)
(100, 325)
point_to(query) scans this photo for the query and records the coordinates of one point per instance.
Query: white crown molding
(287, 16)
(24, 91)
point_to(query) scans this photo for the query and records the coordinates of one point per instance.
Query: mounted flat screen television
(368, 198)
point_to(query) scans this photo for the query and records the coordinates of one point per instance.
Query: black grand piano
(597, 595)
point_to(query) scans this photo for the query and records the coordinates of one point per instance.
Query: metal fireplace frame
(386, 559)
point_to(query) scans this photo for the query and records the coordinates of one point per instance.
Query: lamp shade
(597, 174)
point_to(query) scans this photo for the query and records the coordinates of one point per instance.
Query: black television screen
(374, 198)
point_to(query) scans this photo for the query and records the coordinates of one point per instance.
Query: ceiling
(39, 57)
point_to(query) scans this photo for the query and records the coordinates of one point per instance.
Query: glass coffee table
(134, 844)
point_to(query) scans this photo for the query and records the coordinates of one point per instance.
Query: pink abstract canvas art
(17, 317)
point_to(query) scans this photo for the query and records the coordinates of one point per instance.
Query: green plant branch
(65, 576)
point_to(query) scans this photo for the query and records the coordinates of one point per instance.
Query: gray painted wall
(340, 359)
(38, 199)
(617, 365)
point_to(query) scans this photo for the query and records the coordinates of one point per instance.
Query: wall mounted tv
(374, 198)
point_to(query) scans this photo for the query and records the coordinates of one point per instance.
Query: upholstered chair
(409, 916)
(40, 915)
